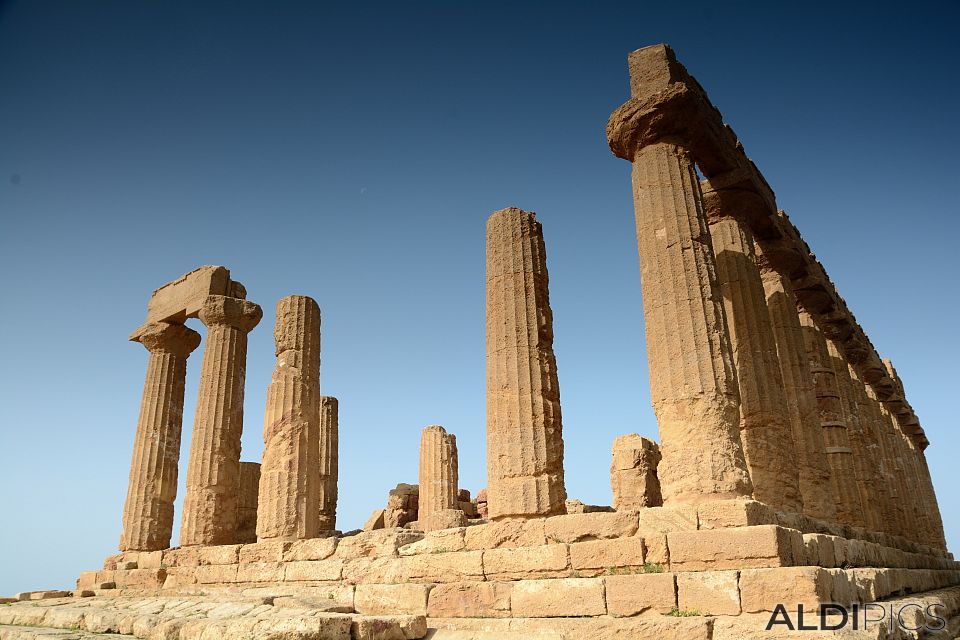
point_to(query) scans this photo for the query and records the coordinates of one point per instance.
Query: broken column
(765, 429)
(813, 469)
(213, 472)
(148, 511)
(247, 502)
(438, 500)
(289, 493)
(524, 432)
(633, 473)
(833, 422)
(328, 463)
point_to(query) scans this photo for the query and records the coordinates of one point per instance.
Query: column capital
(233, 312)
(167, 337)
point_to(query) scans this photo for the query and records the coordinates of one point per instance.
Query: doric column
(814, 471)
(437, 503)
(895, 513)
(833, 422)
(693, 383)
(289, 495)
(148, 511)
(938, 539)
(871, 424)
(524, 432)
(765, 429)
(210, 504)
(329, 462)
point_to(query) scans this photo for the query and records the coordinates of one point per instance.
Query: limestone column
(329, 462)
(895, 514)
(213, 472)
(938, 540)
(438, 506)
(289, 500)
(814, 471)
(524, 426)
(871, 423)
(693, 382)
(148, 511)
(833, 423)
(765, 428)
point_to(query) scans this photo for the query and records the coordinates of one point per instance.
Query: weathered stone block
(260, 572)
(445, 567)
(762, 589)
(442, 541)
(150, 559)
(517, 564)
(657, 552)
(388, 627)
(216, 573)
(668, 518)
(311, 549)
(269, 551)
(633, 473)
(379, 599)
(221, 554)
(183, 297)
(633, 594)
(714, 593)
(745, 547)
(590, 526)
(383, 542)
(470, 600)
(506, 534)
(604, 555)
(558, 598)
(722, 514)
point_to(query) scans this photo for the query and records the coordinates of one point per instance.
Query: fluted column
(834, 425)
(438, 480)
(871, 423)
(329, 462)
(814, 471)
(148, 511)
(765, 429)
(287, 508)
(210, 504)
(938, 539)
(895, 514)
(524, 426)
(693, 383)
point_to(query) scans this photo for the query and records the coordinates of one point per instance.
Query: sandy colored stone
(383, 542)
(813, 468)
(445, 567)
(668, 518)
(526, 562)
(247, 502)
(629, 595)
(289, 484)
(402, 506)
(222, 554)
(182, 298)
(390, 627)
(721, 514)
(744, 547)
(713, 593)
(438, 498)
(440, 541)
(312, 549)
(506, 534)
(329, 463)
(765, 429)
(482, 503)
(377, 599)
(213, 471)
(597, 557)
(322, 570)
(524, 425)
(762, 589)
(375, 521)
(148, 510)
(558, 598)
(633, 473)
(470, 600)
(590, 526)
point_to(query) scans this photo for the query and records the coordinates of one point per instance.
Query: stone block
(657, 552)
(713, 593)
(762, 589)
(506, 534)
(150, 559)
(382, 570)
(601, 556)
(445, 567)
(221, 554)
(442, 541)
(576, 527)
(216, 574)
(379, 599)
(668, 518)
(182, 298)
(744, 547)
(388, 627)
(319, 570)
(375, 521)
(382, 542)
(141, 578)
(630, 595)
(470, 600)
(87, 579)
(722, 514)
(633, 473)
(260, 572)
(182, 557)
(311, 549)
(565, 597)
(269, 551)
(526, 562)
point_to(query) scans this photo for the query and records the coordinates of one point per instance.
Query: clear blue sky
(353, 154)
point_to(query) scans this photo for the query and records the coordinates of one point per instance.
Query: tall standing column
(287, 508)
(438, 506)
(693, 383)
(148, 511)
(524, 426)
(814, 471)
(213, 472)
(871, 423)
(833, 423)
(765, 429)
(329, 462)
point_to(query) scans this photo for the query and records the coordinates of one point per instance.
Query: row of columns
(298, 476)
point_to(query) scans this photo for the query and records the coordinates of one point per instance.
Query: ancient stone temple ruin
(789, 475)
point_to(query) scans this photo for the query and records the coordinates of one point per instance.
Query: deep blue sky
(353, 154)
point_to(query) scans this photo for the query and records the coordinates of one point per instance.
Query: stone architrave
(524, 426)
(289, 483)
(833, 422)
(329, 462)
(765, 429)
(814, 470)
(247, 502)
(633, 473)
(438, 500)
(148, 511)
(213, 471)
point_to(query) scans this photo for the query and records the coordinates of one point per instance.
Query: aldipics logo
(911, 616)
